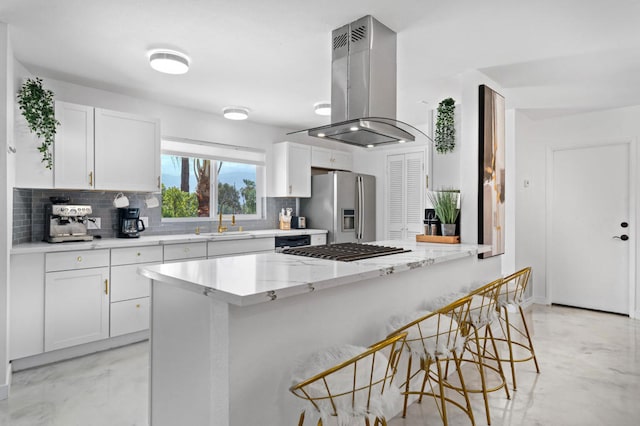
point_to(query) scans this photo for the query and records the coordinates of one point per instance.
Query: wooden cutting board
(454, 239)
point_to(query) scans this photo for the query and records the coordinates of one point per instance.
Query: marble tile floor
(590, 365)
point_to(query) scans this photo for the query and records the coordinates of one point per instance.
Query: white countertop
(256, 278)
(149, 240)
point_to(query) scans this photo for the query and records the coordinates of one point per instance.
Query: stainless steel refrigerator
(344, 203)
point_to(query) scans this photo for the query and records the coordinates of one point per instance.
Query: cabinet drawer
(318, 239)
(131, 255)
(127, 284)
(129, 316)
(185, 251)
(69, 260)
(254, 245)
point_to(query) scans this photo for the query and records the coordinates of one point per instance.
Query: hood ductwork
(363, 87)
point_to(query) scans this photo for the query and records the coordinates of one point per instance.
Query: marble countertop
(256, 278)
(150, 240)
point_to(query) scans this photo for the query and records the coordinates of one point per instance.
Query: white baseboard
(4, 389)
(76, 351)
(635, 315)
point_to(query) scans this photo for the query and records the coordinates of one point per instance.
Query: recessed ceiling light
(235, 113)
(169, 61)
(322, 108)
(321, 135)
(354, 129)
(402, 141)
(370, 146)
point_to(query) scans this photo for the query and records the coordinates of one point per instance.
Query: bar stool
(483, 312)
(435, 339)
(354, 383)
(511, 296)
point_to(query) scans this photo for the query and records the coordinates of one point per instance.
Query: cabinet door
(127, 152)
(291, 170)
(127, 283)
(321, 157)
(318, 239)
(76, 307)
(129, 316)
(405, 195)
(342, 160)
(73, 148)
(27, 305)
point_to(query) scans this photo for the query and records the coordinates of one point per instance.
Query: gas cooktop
(345, 252)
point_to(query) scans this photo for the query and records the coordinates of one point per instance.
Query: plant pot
(448, 229)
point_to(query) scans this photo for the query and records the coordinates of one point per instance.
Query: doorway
(590, 226)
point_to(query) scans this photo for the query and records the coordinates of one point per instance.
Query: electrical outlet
(94, 225)
(145, 220)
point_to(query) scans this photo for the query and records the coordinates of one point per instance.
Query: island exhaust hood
(363, 87)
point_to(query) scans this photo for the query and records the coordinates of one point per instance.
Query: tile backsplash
(29, 205)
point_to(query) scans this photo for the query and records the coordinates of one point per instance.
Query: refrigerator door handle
(360, 229)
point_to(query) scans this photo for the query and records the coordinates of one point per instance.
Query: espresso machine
(129, 223)
(66, 222)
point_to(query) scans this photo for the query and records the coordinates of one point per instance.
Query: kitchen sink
(226, 234)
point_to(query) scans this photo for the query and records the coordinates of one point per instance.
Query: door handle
(623, 237)
(106, 287)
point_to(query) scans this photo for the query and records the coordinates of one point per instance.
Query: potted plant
(36, 104)
(445, 139)
(446, 206)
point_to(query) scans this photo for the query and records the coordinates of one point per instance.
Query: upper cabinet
(73, 148)
(100, 149)
(127, 152)
(331, 159)
(291, 170)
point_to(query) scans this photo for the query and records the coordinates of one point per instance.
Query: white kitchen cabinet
(73, 147)
(235, 247)
(185, 251)
(331, 159)
(291, 170)
(405, 189)
(127, 152)
(76, 302)
(130, 291)
(26, 334)
(130, 316)
(318, 239)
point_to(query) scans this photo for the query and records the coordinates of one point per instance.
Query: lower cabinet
(318, 239)
(129, 316)
(76, 307)
(130, 291)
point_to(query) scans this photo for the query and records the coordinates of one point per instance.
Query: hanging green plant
(445, 126)
(36, 104)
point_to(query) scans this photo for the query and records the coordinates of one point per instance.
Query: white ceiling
(273, 56)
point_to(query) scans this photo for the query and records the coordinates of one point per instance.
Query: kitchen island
(226, 333)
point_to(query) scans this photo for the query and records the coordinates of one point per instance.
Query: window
(201, 180)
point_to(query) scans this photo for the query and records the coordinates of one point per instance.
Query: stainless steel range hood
(363, 87)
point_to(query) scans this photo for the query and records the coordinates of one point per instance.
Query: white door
(405, 195)
(588, 259)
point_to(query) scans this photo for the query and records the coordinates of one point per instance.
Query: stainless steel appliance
(285, 241)
(298, 222)
(345, 252)
(344, 204)
(66, 222)
(129, 223)
(363, 87)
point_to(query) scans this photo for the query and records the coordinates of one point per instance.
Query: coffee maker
(66, 222)
(129, 223)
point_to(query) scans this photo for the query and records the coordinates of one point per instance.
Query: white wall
(534, 139)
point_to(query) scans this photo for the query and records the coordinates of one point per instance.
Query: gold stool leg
(526, 329)
(510, 345)
(500, 369)
(441, 388)
(301, 421)
(483, 382)
(464, 389)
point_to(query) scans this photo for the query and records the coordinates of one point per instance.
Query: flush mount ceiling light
(169, 61)
(322, 108)
(235, 113)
